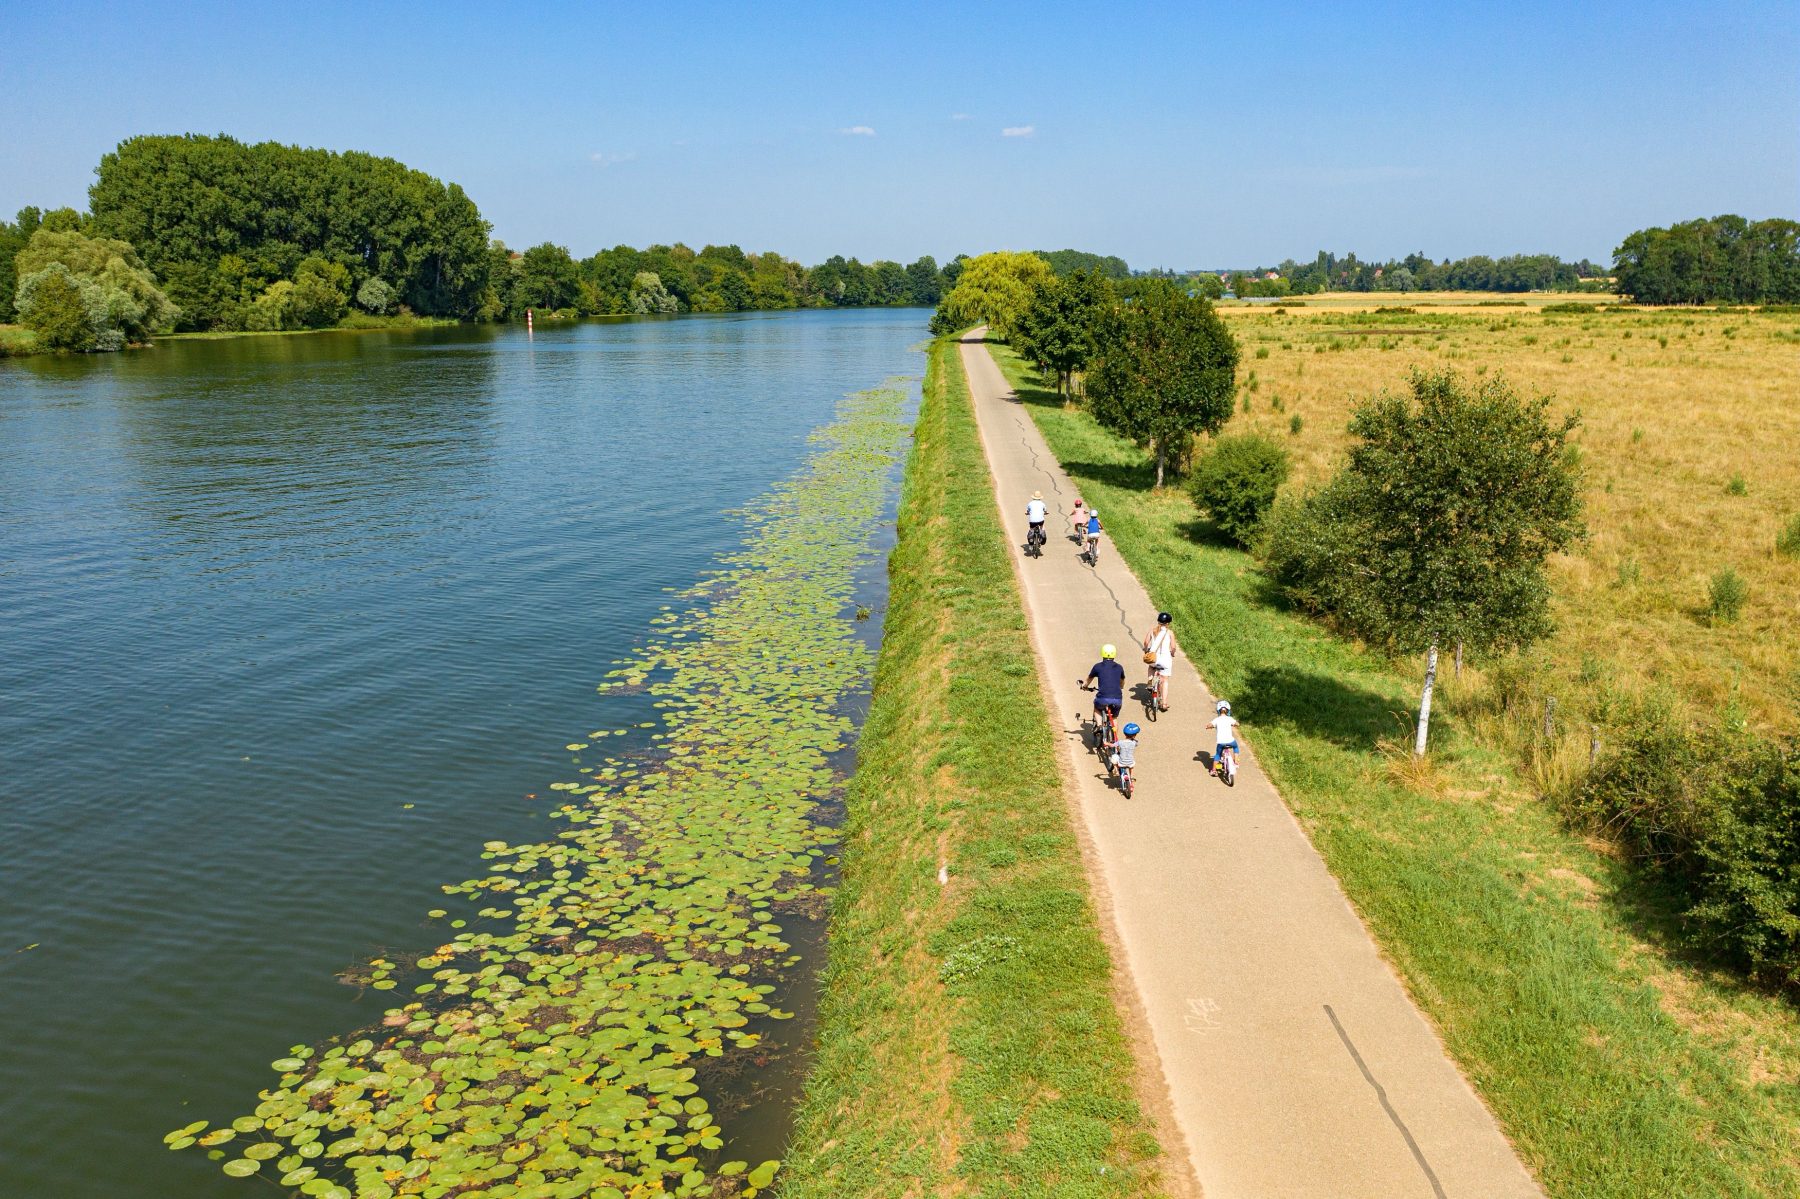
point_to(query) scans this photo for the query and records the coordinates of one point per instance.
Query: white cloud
(859, 131)
(959, 116)
(602, 159)
(1018, 131)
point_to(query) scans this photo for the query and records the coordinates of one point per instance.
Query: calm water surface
(288, 627)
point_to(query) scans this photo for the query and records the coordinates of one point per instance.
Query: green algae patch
(559, 1046)
(968, 1042)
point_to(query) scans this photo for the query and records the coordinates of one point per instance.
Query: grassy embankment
(16, 341)
(968, 1041)
(1618, 1066)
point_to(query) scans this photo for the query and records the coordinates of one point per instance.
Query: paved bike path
(1297, 1066)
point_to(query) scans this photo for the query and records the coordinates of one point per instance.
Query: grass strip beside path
(1617, 1069)
(968, 1041)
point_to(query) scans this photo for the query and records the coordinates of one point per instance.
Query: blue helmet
(1131, 730)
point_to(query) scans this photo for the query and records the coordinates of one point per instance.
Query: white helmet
(1224, 705)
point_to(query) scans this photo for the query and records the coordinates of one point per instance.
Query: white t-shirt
(1035, 512)
(1162, 644)
(1224, 728)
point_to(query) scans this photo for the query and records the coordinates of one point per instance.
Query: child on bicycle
(1225, 746)
(1078, 521)
(1124, 750)
(1092, 544)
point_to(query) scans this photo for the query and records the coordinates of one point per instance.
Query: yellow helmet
(1109, 651)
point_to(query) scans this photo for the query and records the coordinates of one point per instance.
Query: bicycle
(1224, 766)
(1090, 550)
(1154, 693)
(1035, 540)
(1105, 732)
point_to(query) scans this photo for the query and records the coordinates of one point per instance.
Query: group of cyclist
(1108, 677)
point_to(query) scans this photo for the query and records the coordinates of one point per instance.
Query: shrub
(1295, 425)
(1737, 486)
(375, 295)
(1715, 815)
(54, 304)
(1787, 542)
(1725, 596)
(1235, 482)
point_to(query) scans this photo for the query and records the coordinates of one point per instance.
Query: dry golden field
(1676, 404)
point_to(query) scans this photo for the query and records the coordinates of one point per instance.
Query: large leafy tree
(1060, 327)
(1165, 369)
(992, 289)
(1437, 530)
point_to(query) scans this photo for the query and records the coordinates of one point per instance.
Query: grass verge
(968, 1042)
(1618, 1068)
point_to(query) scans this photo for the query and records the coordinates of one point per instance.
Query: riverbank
(1545, 967)
(968, 1036)
(16, 341)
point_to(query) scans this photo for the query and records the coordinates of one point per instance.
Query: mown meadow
(1620, 1062)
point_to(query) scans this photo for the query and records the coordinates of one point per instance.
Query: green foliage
(1234, 483)
(1721, 258)
(376, 296)
(1787, 542)
(118, 296)
(220, 220)
(272, 311)
(321, 292)
(1060, 325)
(1736, 485)
(1714, 813)
(55, 303)
(1164, 370)
(648, 295)
(1295, 424)
(1726, 594)
(1068, 262)
(992, 289)
(1441, 522)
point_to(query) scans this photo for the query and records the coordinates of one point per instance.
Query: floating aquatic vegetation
(553, 1049)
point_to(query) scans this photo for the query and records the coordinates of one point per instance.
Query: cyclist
(1108, 678)
(1159, 653)
(1035, 515)
(1124, 750)
(1092, 546)
(1078, 521)
(1225, 746)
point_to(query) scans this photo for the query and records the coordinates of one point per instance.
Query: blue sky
(1178, 135)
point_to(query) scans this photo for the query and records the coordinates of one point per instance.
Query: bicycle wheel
(1125, 781)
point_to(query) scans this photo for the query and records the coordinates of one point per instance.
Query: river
(289, 628)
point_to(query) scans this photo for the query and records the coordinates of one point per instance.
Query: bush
(375, 296)
(1737, 486)
(53, 303)
(1787, 542)
(1235, 483)
(1725, 596)
(1716, 816)
(1311, 548)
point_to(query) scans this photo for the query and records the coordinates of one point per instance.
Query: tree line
(1415, 272)
(1724, 258)
(267, 236)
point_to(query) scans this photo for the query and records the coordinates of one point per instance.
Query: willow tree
(1165, 369)
(993, 289)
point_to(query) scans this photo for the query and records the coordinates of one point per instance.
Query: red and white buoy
(528, 322)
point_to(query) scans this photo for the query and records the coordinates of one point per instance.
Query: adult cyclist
(1159, 653)
(1108, 678)
(1035, 516)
